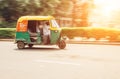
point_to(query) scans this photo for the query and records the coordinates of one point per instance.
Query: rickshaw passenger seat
(33, 39)
(32, 34)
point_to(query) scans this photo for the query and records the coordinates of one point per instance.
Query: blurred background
(98, 19)
(69, 13)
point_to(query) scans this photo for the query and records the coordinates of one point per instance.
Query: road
(77, 61)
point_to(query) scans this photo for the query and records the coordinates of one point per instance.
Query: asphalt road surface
(77, 61)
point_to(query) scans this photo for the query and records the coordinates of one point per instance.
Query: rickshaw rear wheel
(30, 45)
(62, 44)
(20, 44)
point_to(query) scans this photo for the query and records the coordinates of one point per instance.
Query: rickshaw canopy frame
(35, 18)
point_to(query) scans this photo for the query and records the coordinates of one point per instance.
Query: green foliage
(97, 33)
(10, 9)
(91, 32)
(48, 6)
(64, 8)
(7, 33)
(73, 32)
(7, 24)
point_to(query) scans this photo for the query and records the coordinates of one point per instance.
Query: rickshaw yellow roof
(35, 18)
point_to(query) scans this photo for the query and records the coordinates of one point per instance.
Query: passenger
(40, 28)
(46, 33)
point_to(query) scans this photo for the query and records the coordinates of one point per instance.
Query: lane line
(57, 62)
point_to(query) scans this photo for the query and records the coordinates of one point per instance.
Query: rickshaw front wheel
(20, 45)
(30, 45)
(62, 44)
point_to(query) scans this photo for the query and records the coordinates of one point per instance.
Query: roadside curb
(79, 42)
(93, 42)
(7, 40)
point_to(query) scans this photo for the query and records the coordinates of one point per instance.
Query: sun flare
(107, 7)
(105, 10)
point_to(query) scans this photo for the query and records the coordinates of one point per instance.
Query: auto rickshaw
(27, 24)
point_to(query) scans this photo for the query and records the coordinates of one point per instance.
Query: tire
(62, 44)
(20, 45)
(30, 45)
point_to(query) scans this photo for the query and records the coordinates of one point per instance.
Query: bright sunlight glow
(106, 8)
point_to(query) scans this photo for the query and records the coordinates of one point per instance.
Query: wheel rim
(20, 45)
(62, 44)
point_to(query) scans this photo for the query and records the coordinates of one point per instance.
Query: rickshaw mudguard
(23, 36)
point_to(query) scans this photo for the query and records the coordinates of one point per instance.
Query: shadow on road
(39, 49)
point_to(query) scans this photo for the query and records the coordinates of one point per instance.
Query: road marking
(57, 62)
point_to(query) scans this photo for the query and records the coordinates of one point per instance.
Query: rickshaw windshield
(54, 24)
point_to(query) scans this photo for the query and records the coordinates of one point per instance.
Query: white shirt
(46, 30)
(37, 29)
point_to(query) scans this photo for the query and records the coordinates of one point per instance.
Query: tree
(48, 6)
(64, 8)
(81, 10)
(9, 9)
(39, 7)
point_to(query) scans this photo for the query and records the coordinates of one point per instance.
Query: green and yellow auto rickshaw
(26, 32)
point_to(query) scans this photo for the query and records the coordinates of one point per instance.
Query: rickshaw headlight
(55, 31)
